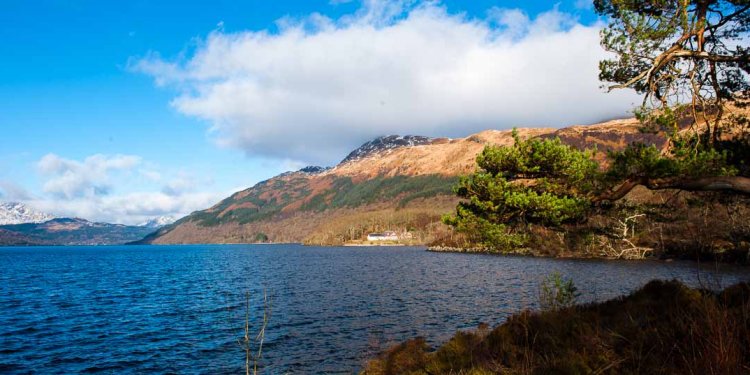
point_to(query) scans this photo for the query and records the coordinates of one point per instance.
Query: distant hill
(65, 231)
(391, 183)
(19, 213)
(10, 238)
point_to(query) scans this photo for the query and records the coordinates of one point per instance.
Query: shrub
(556, 293)
(663, 328)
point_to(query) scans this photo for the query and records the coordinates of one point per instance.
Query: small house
(384, 236)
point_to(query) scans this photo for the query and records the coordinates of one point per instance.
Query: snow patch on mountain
(19, 213)
(381, 144)
(313, 169)
(159, 222)
(310, 170)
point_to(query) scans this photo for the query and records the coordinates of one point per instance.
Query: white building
(385, 236)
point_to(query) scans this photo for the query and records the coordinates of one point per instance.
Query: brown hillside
(452, 157)
(315, 207)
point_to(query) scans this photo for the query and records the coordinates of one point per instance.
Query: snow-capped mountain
(19, 213)
(386, 143)
(159, 222)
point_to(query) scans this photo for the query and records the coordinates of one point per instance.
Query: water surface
(179, 309)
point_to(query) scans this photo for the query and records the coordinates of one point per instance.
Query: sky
(125, 111)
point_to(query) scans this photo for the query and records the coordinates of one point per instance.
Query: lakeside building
(385, 236)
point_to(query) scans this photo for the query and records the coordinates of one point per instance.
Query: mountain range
(394, 183)
(24, 226)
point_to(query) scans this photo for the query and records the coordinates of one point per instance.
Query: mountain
(19, 213)
(158, 222)
(66, 231)
(383, 144)
(394, 183)
(21, 225)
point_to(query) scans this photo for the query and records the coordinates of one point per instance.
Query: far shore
(372, 244)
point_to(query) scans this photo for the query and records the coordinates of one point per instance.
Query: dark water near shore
(179, 309)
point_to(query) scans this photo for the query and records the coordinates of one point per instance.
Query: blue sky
(121, 111)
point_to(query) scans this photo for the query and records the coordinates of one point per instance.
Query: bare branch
(736, 184)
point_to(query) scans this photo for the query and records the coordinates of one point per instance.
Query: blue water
(179, 309)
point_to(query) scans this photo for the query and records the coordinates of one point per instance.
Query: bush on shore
(663, 328)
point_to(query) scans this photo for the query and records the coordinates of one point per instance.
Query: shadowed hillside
(66, 231)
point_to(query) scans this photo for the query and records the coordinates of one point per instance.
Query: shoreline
(663, 258)
(428, 248)
(372, 245)
(693, 318)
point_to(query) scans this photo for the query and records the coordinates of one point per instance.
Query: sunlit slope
(405, 187)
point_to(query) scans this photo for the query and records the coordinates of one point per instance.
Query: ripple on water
(180, 309)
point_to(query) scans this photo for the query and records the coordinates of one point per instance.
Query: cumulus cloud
(128, 208)
(319, 87)
(113, 188)
(514, 22)
(70, 179)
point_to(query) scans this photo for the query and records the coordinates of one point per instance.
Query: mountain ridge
(385, 143)
(33, 228)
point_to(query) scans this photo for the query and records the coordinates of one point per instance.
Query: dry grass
(330, 227)
(663, 328)
(421, 218)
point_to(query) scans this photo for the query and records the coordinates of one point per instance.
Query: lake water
(179, 309)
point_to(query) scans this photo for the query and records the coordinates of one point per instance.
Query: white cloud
(130, 208)
(150, 204)
(514, 22)
(320, 87)
(70, 179)
(114, 188)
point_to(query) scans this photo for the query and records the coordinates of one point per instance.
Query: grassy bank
(663, 328)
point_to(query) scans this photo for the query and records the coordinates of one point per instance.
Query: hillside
(65, 231)
(391, 183)
(10, 238)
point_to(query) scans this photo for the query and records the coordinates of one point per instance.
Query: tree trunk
(736, 184)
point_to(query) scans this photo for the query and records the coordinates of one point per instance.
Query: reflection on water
(136, 309)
